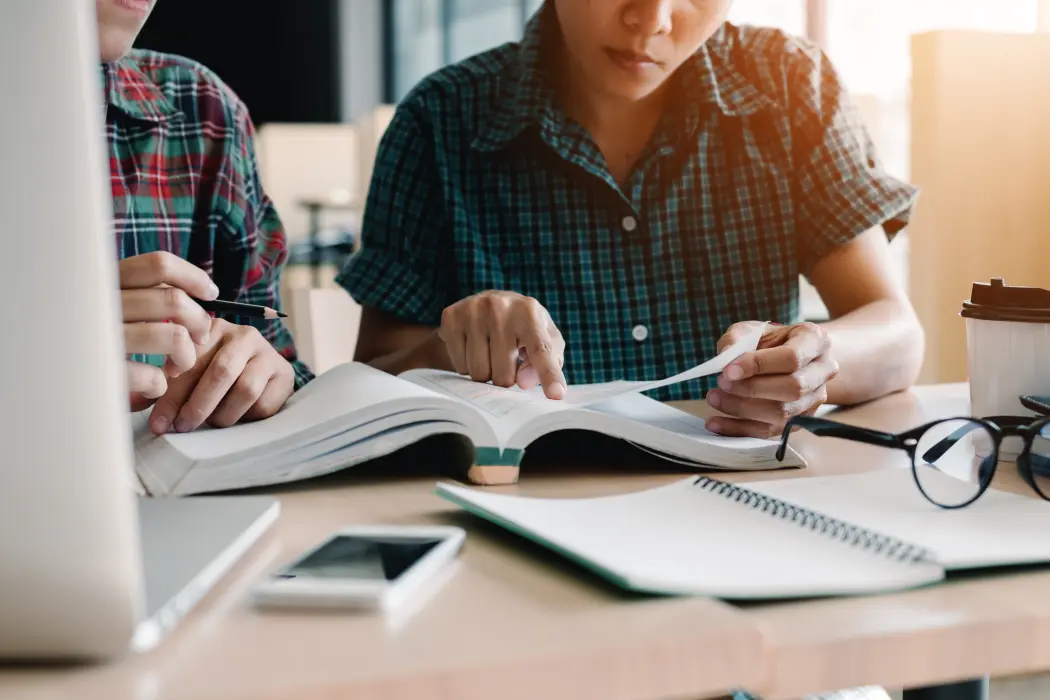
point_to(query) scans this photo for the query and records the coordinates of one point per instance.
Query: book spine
(495, 457)
(847, 533)
(495, 467)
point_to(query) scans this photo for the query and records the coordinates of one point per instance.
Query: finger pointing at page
(505, 338)
(543, 361)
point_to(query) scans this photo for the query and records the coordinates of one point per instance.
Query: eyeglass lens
(954, 461)
(1039, 461)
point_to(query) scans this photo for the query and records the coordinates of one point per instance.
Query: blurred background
(954, 94)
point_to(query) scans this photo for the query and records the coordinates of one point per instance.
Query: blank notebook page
(684, 539)
(998, 529)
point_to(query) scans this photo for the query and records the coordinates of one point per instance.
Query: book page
(655, 417)
(343, 390)
(587, 394)
(661, 429)
(517, 406)
(505, 410)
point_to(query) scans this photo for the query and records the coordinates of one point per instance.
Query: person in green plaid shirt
(191, 221)
(623, 192)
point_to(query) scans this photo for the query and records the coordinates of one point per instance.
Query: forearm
(879, 348)
(428, 353)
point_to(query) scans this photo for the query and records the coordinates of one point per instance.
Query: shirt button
(639, 333)
(629, 223)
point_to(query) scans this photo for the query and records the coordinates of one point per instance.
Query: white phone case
(361, 594)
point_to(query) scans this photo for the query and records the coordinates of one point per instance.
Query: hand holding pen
(235, 308)
(165, 303)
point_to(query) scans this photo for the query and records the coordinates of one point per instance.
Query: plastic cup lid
(997, 301)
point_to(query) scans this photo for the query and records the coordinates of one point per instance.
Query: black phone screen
(362, 558)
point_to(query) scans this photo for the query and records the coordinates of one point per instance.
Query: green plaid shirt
(185, 180)
(760, 169)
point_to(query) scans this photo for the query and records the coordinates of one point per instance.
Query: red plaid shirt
(185, 180)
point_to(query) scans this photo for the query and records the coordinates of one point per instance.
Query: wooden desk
(510, 623)
(515, 621)
(969, 626)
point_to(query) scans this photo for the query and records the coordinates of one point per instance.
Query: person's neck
(600, 113)
(621, 128)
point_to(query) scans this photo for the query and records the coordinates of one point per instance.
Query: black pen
(234, 307)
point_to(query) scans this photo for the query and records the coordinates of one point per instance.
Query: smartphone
(370, 568)
(1039, 404)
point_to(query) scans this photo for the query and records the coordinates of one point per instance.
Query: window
(479, 25)
(789, 15)
(417, 43)
(869, 43)
(429, 34)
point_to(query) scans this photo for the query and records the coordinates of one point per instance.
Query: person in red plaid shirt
(191, 221)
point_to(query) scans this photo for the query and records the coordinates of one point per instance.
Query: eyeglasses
(953, 460)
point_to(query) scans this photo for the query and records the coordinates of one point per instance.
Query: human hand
(238, 375)
(161, 318)
(505, 338)
(785, 377)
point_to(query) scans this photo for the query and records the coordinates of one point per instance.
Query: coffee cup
(1008, 352)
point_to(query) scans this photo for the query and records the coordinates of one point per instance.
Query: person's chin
(633, 90)
(114, 45)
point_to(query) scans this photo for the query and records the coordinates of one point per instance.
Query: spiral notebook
(788, 538)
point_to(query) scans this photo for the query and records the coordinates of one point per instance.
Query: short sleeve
(843, 189)
(403, 265)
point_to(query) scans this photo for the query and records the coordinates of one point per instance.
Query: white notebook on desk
(825, 536)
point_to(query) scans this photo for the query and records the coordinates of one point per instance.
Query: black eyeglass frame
(1027, 428)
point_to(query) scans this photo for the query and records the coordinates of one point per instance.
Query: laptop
(88, 570)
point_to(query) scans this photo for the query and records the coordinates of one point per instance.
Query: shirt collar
(709, 78)
(132, 93)
(526, 98)
(714, 76)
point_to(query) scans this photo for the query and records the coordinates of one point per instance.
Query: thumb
(734, 333)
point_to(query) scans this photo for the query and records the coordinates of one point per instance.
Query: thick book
(866, 533)
(354, 413)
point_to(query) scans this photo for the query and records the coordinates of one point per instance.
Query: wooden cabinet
(980, 151)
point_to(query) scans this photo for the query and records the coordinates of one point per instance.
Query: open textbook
(354, 413)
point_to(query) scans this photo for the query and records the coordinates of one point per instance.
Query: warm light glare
(789, 15)
(869, 40)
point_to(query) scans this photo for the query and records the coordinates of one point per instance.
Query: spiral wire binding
(852, 535)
